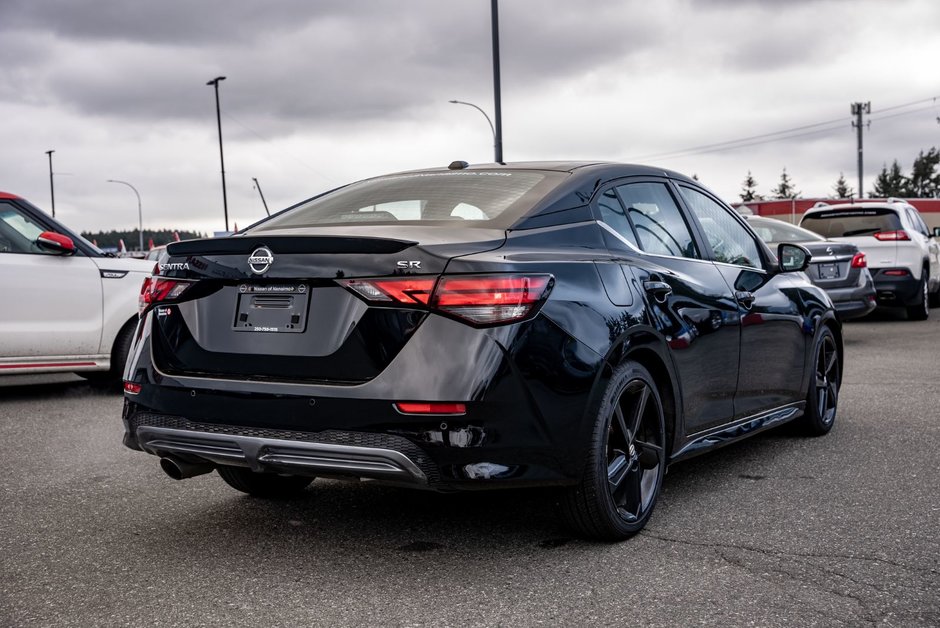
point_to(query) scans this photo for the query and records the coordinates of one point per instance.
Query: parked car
(67, 305)
(577, 325)
(839, 268)
(903, 256)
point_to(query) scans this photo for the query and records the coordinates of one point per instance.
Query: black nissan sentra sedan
(578, 325)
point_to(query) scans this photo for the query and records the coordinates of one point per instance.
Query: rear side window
(485, 198)
(854, 222)
(658, 220)
(613, 214)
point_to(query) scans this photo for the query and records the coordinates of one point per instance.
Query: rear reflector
(431, 408)
(897, 272)
(478, 299)
(859, 261)
(892, 235)
(131, 388)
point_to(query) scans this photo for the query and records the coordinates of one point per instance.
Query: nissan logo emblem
(260, 260)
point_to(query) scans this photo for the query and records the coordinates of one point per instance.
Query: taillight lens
(132, 388)
(897, 272)
(159, 289)
(478, 299)
(859, 261)
(892, 236)
(430, 408)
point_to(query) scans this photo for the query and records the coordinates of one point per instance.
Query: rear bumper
(854, 301)
(896, 291)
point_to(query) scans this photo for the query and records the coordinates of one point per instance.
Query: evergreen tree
(842, 188)
(749, 191)
(785, 189)
(924, 181)
(890, 182)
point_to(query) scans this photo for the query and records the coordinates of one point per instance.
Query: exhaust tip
(180, 470)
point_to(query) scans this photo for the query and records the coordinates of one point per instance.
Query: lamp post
(51, 185)
(498, 131)
(496, 152)
(258, 186)
(140, 215)
(218, 117)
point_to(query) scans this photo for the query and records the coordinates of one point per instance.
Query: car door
(774, 337)
(51, 303)
(687, 298)
(922, 233)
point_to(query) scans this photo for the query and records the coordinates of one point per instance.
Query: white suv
(903, 257)
(67, 306)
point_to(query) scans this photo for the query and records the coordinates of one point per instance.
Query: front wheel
(264, 485)
(626, 460)
(822, 400)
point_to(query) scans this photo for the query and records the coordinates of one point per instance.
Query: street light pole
(498, 130)
(140, 214)
(496, 151)
(51, 185)
(218, 116)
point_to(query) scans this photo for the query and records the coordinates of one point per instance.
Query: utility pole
(218, 117)
(859, 108)
(258, 185)
(498, 131)
(51, 185)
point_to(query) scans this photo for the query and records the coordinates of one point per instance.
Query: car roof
(593, 167)
(7, 195)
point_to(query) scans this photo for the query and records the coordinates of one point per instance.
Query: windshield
(774, 231)
(855, 222)
(477, 198)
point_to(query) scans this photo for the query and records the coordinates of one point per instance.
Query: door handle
(746, 299)
(659, 290)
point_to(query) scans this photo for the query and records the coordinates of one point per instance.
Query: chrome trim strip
(261, 453)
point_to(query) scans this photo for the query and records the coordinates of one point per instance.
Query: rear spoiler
(288, 244)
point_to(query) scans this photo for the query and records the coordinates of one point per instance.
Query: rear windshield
(484, 198)
(855, 222)
(774, 231)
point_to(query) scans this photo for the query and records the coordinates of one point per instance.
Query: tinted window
(658, 220)
(917, 223)
(852, 222)
(485, 198)
(613, 214)
(773, 231)
(17, 232)
(731, 242)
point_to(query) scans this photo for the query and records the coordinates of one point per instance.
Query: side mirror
(793, 257)
(936, 232)
(56, 243)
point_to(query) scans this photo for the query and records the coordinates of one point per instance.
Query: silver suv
(903, 257)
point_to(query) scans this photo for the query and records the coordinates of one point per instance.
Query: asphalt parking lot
(777, 531)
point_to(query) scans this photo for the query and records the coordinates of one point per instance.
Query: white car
(67, 306)
(903, 255)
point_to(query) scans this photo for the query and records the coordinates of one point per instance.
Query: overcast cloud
(321, 93)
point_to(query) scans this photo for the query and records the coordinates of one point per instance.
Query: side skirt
(739, 430)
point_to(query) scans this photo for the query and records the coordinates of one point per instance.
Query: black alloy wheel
(921, 310)
(626, 462)
(822, 401)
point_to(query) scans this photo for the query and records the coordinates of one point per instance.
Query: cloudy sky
(320, 93)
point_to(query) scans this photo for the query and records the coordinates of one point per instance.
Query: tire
(122, 346)
(626, 460)
(921, 311)
(264, 485)
(822, 399)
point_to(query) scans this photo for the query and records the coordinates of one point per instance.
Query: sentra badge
(260, 261)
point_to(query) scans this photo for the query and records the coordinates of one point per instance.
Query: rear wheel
(921, 311)
(119, 351)
(626, 460)
(822, 400)
(265, 485)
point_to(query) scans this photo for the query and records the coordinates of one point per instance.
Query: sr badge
(260, 261)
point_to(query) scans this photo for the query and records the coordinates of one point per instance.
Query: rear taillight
(131, 388)
(478, 299)
(160, 289)
(430, 408)
(892, 236)
(859, 261)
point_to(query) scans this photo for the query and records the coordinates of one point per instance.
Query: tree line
(922, 182)
(131, 237)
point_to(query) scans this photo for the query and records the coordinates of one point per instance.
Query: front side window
(658, 220)
(730, 241)
(18, 233)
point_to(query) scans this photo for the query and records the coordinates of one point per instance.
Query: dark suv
(578, 325)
